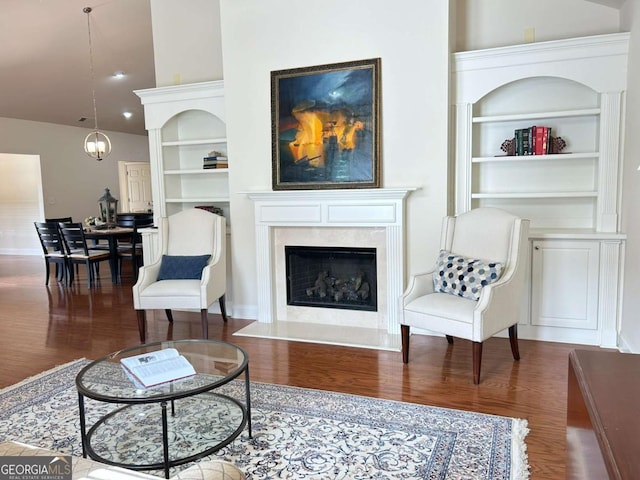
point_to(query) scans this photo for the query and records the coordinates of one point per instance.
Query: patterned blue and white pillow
(462, 276)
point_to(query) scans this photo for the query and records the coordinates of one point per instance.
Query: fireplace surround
(369, 218)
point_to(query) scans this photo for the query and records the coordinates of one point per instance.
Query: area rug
(304, 434)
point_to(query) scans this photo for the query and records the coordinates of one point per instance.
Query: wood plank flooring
(41, 327)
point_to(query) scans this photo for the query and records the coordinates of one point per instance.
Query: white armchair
(184, 236)
(489, 235)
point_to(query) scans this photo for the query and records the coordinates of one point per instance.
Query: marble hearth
(371, 218)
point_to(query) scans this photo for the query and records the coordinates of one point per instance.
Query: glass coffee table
(168, 424)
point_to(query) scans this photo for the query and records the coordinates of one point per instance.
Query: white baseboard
(246, 312)
(624, 346)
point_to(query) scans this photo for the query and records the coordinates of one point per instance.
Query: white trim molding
(353, 208)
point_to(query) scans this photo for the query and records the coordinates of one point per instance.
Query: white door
(139, 186)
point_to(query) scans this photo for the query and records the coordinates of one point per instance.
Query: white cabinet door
(564, 283)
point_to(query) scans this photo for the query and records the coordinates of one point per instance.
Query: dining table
(111, 235)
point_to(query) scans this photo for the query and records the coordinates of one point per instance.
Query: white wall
(497, 23)
(20, 203)
(410, 37)
(186, 41)
(72, 182)
(259, 36)
(630, 332)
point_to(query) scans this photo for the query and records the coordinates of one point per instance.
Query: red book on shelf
(539, 143)
(546, 134)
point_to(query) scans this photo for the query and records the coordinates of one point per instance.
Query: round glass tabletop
(215, 363)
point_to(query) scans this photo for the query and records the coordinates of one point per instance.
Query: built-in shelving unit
(186, 123)
(576, 87)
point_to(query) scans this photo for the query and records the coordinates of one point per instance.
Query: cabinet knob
(536, 247)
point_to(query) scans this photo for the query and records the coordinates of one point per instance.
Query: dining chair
(131, 249)
(78, 252)
(476, 288)
(53, 249)
(57, 220)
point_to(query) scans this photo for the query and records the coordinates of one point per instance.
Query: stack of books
(535, 140)
(218, 161)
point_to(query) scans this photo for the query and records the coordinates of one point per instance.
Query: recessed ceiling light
(119, 74)
(127, 114)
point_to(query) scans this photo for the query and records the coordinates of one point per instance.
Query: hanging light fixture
(97, 145)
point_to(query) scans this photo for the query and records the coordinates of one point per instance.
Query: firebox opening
(331, 277)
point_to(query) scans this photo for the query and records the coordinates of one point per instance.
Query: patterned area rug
(298, 433)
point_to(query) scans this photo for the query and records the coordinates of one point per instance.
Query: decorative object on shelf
(326, 126)
(96, 144)
(108, 208)
(557, 145)
(212, 209)
(509, 146)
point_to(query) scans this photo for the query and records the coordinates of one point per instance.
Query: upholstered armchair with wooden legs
(477, 285)
(190, 273)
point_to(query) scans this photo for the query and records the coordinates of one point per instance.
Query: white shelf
(197, 200)
(536, 195)
(537, 115)
(573, 234)
(198, 171)
(203, 141)
(535, 158)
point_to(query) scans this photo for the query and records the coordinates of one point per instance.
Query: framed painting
(326, 126)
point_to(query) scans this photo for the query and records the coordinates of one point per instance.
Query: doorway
(21, 204)
(135, 187)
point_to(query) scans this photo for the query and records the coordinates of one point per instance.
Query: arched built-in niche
(576, 87)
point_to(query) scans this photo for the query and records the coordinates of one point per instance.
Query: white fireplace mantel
(353, 208)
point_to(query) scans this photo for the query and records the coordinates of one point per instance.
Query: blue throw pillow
(182, 267)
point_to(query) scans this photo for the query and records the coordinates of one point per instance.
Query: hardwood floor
(42, 327)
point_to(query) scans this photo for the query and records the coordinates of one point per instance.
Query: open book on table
(153, 368)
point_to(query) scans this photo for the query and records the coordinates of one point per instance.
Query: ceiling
(45, 72)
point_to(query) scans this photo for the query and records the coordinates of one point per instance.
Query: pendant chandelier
(97, 144)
